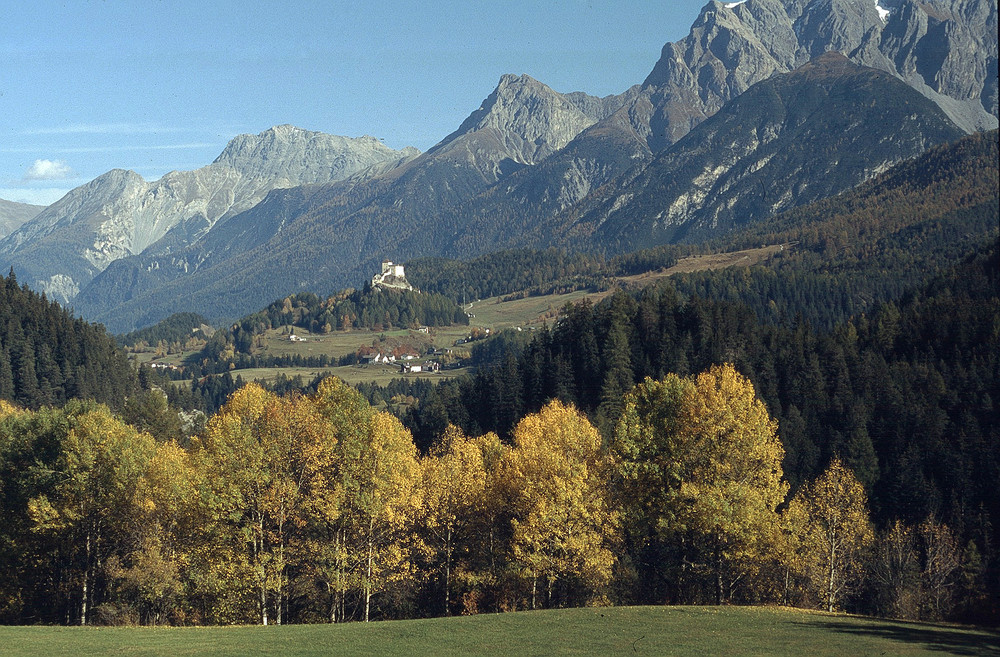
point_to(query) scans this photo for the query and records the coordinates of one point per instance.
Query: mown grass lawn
(697, 631)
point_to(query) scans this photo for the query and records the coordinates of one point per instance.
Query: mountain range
(119, 214)
(748, 115)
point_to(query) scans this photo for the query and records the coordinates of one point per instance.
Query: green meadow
(695, 631)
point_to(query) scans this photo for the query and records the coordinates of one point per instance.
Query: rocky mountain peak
(945, 49)
(14, 214)
(527, 119)
(118, 214)
(301, 156)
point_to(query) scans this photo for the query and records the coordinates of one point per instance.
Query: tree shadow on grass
(957, 641)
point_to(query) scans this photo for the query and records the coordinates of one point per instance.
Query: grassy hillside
(695, 631)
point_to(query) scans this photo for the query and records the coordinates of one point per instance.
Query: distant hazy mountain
(13, 215)
(533, 167)
(119, 214)
(331, 234)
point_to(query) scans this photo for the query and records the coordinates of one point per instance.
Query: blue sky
(88, 86)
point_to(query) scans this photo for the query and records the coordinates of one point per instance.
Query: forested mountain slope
(869, 245)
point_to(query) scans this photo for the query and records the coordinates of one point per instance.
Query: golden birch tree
(829, 518)
(454, 481)
(90, 508)
(564, 523)
(377, 475)
(383, 503)
(699, 467)
(266, 461)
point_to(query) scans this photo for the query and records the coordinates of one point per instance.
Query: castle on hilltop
(392, 277)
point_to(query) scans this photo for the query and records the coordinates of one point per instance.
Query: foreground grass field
(699, 631)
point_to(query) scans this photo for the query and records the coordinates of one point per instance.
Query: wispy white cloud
(111, 149)
(103, 129)
(48, 170)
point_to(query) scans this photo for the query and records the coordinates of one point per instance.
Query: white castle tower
(392, 277)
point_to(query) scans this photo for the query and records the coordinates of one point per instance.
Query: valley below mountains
(765, 106)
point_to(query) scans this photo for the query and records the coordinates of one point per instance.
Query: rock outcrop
(787, 141)
(945, 49)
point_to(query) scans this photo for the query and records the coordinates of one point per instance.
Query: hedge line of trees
(372, 308)
(176, 329)
(320, 508)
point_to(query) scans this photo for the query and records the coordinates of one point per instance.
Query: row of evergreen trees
(48, 357)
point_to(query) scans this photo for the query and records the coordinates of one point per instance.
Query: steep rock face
(119, 214)
(946, 49)
(732, 46)
(13, 215)
(286, 156)
(75, 237)
(790, 140)
(521, 123)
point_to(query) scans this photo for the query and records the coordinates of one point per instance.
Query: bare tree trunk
(333, 603)
(833, 571)
(447, 574)
(534, 588)
(337, 614)
(86, 580)
(718, 573)
(262, 590)
(281, 572)
(368, 573)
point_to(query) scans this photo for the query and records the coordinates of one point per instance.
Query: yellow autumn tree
(377, 475)
(829, 523)
(151, 580)
(6, 408)
(89, 507)
(454, 481)
(564, 525)
(265, 462)
(699, 472)
(383, 504)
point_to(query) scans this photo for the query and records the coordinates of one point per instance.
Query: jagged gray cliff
(945, 49)
(790, 140)
(119, 214)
